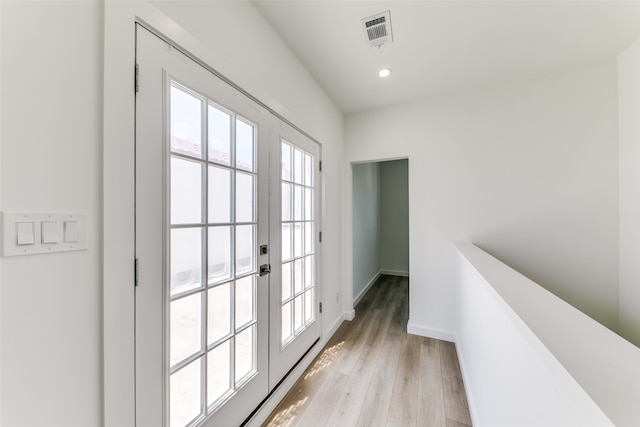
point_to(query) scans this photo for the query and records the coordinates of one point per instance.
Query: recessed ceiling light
(384, 72)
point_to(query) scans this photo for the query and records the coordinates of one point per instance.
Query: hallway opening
(380, 238)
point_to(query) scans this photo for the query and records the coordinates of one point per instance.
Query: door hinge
(321, 308)
(320, 237)
(320, 165)
(137, 78)
(137, 272)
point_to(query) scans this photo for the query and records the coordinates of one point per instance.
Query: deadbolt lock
(265, 269)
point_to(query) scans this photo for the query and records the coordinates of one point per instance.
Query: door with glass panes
(209, 171)
(294, 308)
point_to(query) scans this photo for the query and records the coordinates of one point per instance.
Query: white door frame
(118, 195)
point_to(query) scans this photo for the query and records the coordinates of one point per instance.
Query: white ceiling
(444, 46)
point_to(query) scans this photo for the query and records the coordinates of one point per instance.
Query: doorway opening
(380, 223)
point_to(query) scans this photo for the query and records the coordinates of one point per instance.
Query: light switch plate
(48, 233)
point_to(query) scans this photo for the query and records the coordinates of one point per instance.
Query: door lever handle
(265, 269)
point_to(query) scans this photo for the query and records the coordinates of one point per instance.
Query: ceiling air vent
(377, 29)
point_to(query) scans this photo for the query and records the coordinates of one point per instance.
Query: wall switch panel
(30, 234)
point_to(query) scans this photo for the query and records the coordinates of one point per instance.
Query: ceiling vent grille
(377, 29)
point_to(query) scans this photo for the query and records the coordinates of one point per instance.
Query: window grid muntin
(205, 348)
(304, 180)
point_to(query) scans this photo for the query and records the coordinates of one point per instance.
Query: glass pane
(219, 136)
(244, 146)
(308, 238)
(286, 242)
(297, 275)
(186, 123)
(308, 170)
(297, 312)
(308, 204)
(297, 166)
(297, 237)
(185, 394)
(184, 339)
(286, 321)
(218, 372)
(286, 201)
(297, 203)
(308, 306)
(219, 195)
(245, 352)
(219, 254)
(245, 249)
(308, 272)
(186, 191)
(186, 259)
(286, 281)
(245, 300)
(286, 162)
(219, 312)
(244, 197)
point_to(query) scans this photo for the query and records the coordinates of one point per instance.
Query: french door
(295, 211)
(227, 207)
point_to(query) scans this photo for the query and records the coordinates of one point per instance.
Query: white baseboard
(467, 386)
(350, 315)
(333, 328)
(430, 332)
(400, 273)
(358, 297)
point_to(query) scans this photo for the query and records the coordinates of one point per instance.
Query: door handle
(265, 269)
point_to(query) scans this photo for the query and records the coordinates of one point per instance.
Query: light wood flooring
(372, 373)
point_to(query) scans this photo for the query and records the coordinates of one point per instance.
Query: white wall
(394, 216)
(531, 359)
(51, 145)
(366, 225)
(526, 169)
(629, 147)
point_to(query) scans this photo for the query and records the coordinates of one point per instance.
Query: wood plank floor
(372, 373)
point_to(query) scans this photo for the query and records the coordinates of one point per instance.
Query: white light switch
(49, 232)
(25, 233)
(70, 231)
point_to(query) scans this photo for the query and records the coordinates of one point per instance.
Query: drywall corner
(629, 176)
